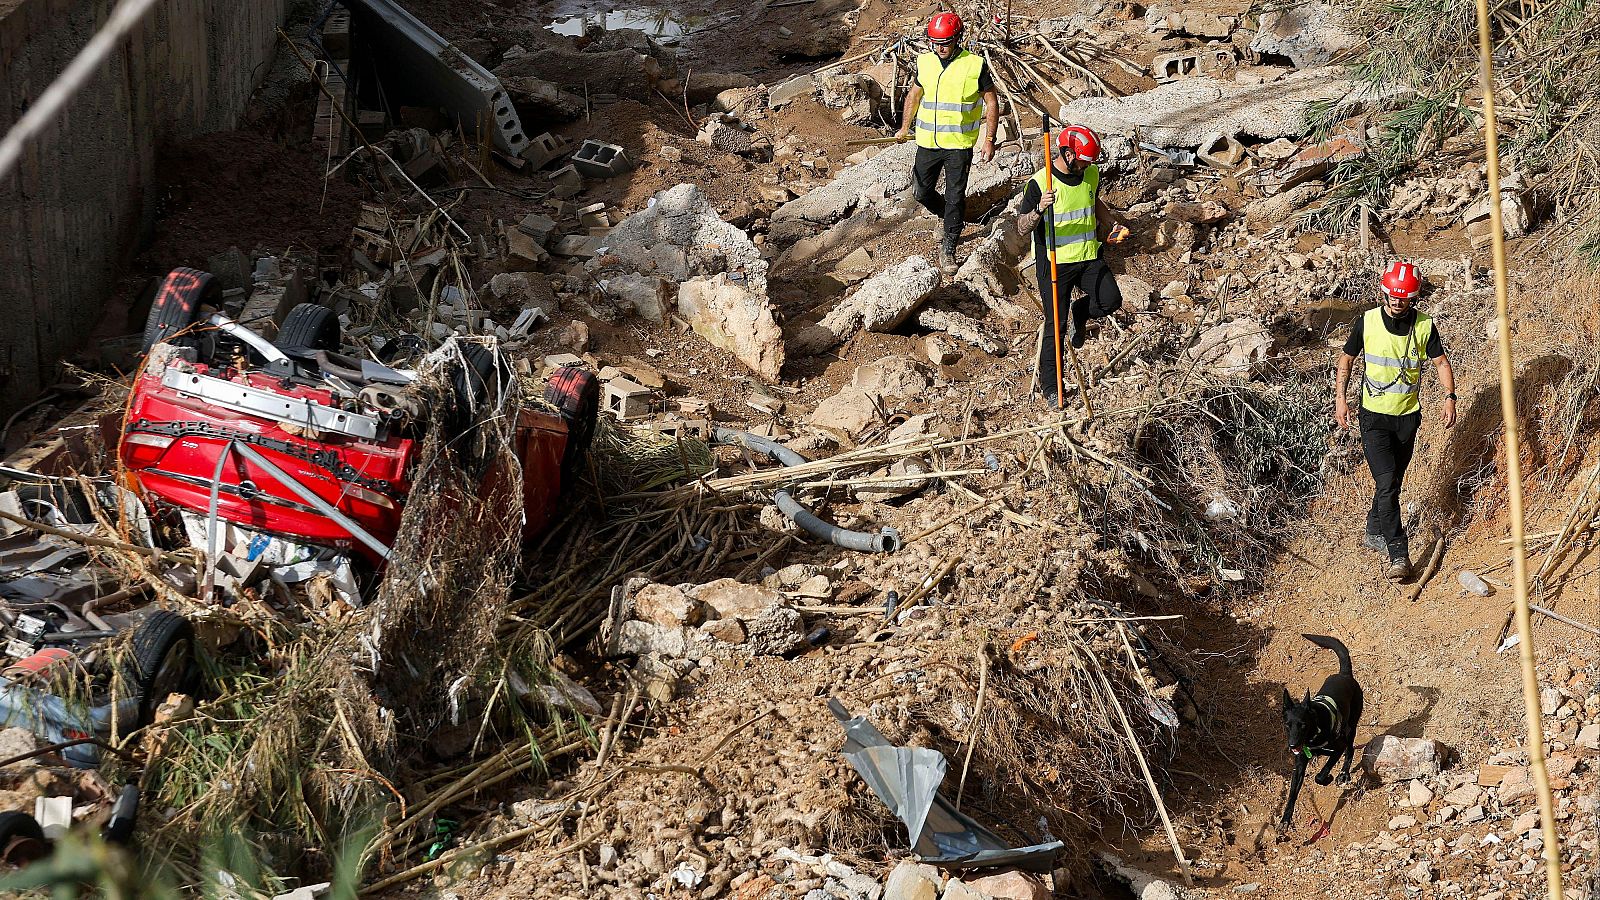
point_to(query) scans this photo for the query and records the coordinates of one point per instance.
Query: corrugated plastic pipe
(885, 541)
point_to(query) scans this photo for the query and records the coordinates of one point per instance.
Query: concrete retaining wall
(70, 218)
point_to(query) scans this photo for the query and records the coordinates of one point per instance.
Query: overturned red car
(300, 438)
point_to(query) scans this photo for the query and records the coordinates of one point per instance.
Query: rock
(850, 411)
(1400, 823)
(706, 87)
(1516, 785)
(882, 303)
(1525, 823)
(721, 273)
(912, 881)
(791, 90)
(1269, 211)
(736, 319)
(1418, 795)
(940, 351)
(1472, 814)
(525, 289)
(1514, 217)
(17, 741)
(1464, 796)
(575, 336)
(670, 154)
(564, 693)
(893, 378)
(647, 296)
(721, 134)
(960, 326)
(1010, 886)
(1309, 34)
(1422, 872)
(666, 605)
(858, 97)
(1560, 765)
(728, 631)
(746, 104)
(733, 599)
(1391, 758)
(1589, 736)
(1203, 213)
(777, 632)
(1233, 348)
(1136, 292)
(857, 260)
(1175, 290)
(639, 637)
(1549, 700)
(1185, 112)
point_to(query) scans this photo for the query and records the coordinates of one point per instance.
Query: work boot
(1075, 332)
(947, 259)
(1399, 567)
(1375, 542)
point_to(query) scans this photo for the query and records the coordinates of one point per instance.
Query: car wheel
(177, 305)
(476, 383)
(21, 839)
(576, 393)
(163, 661)
(308, 328)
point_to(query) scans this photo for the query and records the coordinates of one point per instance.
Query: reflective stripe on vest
(949, 116)
(1073, 217)
(1392, 383)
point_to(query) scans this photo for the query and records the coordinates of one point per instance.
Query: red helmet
(944, 26)
(1080, 141)
(1401, 281)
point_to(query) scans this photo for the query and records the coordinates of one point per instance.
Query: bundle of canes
(1055, 292)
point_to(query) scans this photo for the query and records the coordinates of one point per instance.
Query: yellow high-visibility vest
(948, 118)
(1392, 383)
(1072, 217)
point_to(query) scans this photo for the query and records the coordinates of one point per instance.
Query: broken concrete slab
(858, 97)
(850, 411)
(791, 90)
(543, 100)
(646, 296)
(1279, 207)
(878, 189)
(990, 271)
(415, 61)
(722, 276)
(895, 378)
(882, 303)
(1308, 34)
(1184, 113)
(961, 327)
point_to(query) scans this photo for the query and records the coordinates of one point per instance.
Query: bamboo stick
(1508, 414)
(1144, 767)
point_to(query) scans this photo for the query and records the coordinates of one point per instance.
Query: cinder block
(699, 429)
(567, 181)
(538, 227)
(626, 399)
(600, 160)
(1221, 151)
(1172, 66)
(543, 149)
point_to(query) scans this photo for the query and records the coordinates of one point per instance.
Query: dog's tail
(1334, 644)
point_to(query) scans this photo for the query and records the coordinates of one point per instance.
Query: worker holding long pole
(1066, 251)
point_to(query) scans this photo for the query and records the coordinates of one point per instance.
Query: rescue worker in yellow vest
(1392, 340)
(1076, 215)
(944, 109)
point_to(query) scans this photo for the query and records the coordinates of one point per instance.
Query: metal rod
(305, 493)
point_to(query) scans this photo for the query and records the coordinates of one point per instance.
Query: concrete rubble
(882, 303)
(720, 273)
(1308, 34)
(1186, 112)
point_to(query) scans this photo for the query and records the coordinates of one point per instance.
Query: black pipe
(885, 541)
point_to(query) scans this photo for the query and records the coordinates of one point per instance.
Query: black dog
(1324, 725)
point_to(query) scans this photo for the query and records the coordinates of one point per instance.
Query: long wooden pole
(1055, 291)
(1508, 414)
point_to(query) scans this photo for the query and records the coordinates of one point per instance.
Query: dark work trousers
(952, 207)
(1387, 442)
(1097, 296)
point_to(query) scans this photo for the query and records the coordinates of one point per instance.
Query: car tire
(19, 826)
(308, 328)
(163, 661)
(576, 393)
(476, 385)
(177, 306)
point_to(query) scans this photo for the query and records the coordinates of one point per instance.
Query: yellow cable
(1508, 413)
